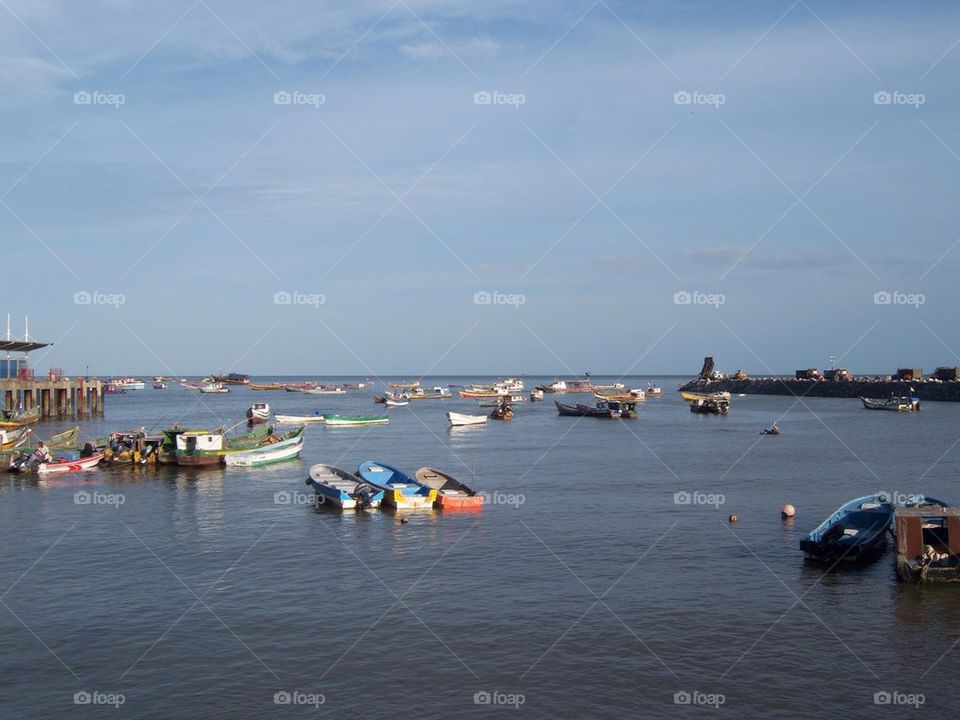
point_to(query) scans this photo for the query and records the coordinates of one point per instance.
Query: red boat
(451, 493)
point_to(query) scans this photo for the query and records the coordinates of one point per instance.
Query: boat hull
(67, 466)
(286, 450)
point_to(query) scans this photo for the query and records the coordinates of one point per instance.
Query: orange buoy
(788, 511)
(732, 518)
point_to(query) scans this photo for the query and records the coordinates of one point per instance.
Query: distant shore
(925, 390)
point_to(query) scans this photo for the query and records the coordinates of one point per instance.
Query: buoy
(404, 521)
(788, 511)
(732, 518)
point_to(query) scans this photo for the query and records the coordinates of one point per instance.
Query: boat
(266, 386)
(65, 439)
(635, 395)
(693, 397)
(321, 390)
(203, 448)
(20, 418)
(710, 407)
(494, 401)
(451, 493)
(418, 393)
(379, 399)
(502, 411)
(896, 404)
(609, 410)
(391, 402)
(159, 385)
(134, 447)
(343, 489)
(298, 419)
(299, 387)
(480, 393)
(927, 536)
(214, 387)
(854, 531)
(772, 430)
(344, 421)
(286, 447)
(568, 386)
(410, 385)
(536, 395)
(58, 464)
(400, 490)
(127, 383)
(460, 419)
(12, 441)
(258, 413)
(167, 454)
(231, 379)
(654, 390)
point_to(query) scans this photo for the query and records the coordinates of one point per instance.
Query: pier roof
(21, 346)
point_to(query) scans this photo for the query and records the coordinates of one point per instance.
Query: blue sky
(588, 199)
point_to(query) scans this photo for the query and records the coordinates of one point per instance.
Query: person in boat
(40, 455)
(87, 451)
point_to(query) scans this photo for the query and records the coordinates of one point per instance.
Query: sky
(438, 187)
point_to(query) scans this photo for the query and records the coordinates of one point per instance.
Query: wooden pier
(57, 398)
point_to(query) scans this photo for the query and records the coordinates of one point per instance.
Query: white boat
(127, 383)
(342, 489)
(298, 419)
(59, 466)
(324, 391)
(536, 395)
(509, 386)
(390, 402)
(258, 413)
(340, 421)
(460, 419)
(283, 450)
(214, 388)
(654, 390)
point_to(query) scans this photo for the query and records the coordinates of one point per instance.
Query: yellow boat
(11, 441)
(693, 397)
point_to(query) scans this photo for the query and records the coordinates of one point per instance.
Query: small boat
(266, 386)
(400, 490)
(343, 489)
(379, 399)
(231, 379)
(299, 387)
(854, 531)
(60, 464)
(321, 390)
(502, 411)
(12, 441)
(344, 421)
(287, 447)
(392, 402)
(213, 388)
(258, 413)
(419, 393)
(772, 430)
(603, 409)
(65, 439)
(459, 419)
(451, 493)
(198, 448)
(127, 383)
(20, 418)
(896, 404)
(926, 535)
(710, 407)
(159, 386)
(693, 397)
(654, 390)
(410, 385)
(298, 419)
(134, 448)
(479, 393)
(536, 395)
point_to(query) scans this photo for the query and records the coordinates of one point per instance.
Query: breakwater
(932, 391)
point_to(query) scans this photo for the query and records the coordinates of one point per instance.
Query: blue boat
(855, 531)
(400, 490)
(342, 489)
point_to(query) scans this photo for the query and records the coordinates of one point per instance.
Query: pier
(57, 398)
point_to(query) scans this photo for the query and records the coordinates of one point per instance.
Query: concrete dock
(78, 397)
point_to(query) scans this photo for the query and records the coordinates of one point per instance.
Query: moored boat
(231, 379)
(653, 390)
(266, 386)
(298, 419)
(392, 402)
(344, 421)
(343, 489)
(710, 407)
(258, 413)
(856, 530)
(322, 390)
(451, 493)
(693, 397)
(400, 490)
(536, 395)
(19, 418)
(10, 440)
(502, 411)
(895, 404)
(461, 419)
(419, 393)
(213, 387)
(286, 447)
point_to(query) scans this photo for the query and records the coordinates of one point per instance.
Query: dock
(57, 398)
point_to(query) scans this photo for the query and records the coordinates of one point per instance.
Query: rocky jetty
(935, 391)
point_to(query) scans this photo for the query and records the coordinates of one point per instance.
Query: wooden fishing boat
(895, 404)
(393, 402)
(266, 386)
(258, 413)
(400, 490)
(451, 493)
(159, 385)
(856, 530)
(19, 419)
(693, 397)
(167, 454)
(460, 419)
(410, 385)
(343, 489)
(344, 421)
(536, 395)
(927, 542)
(502, 411)
(321, 390)
(65, 439)
(299, 387)
(603, 409)
(654, 390)
(480, 393)
(131, 448)
(11, 441)
(298, 419)
(419, 393)
(287, 447)
(710, 407)
(231, 379)
(202, 448)
(58, 464)
(213, 388)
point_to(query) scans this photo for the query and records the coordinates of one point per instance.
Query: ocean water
(604, 580)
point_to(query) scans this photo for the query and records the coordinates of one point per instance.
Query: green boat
(343, 421)
(244, 441)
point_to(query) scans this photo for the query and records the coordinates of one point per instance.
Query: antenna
(26, 328)
(8, 326)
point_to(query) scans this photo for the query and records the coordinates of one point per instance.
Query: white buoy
(788, 511)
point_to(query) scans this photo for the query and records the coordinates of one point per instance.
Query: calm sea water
(584, 590)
